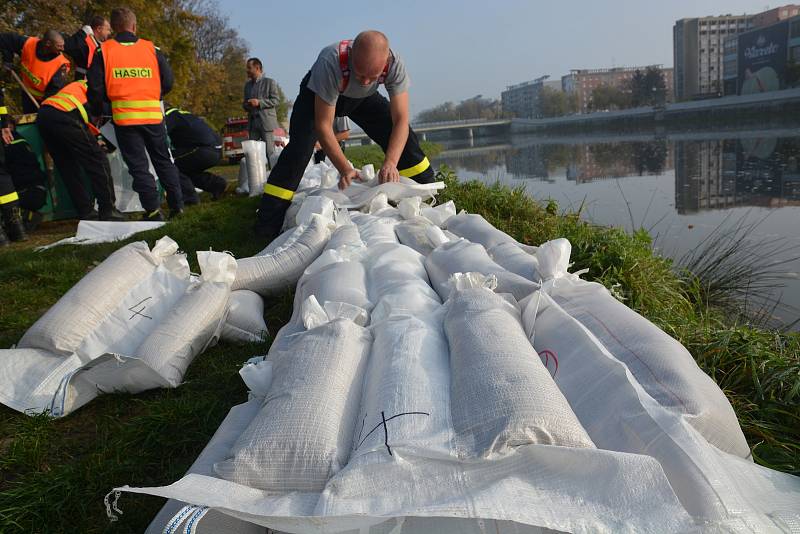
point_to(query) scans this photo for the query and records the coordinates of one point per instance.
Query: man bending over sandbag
(195, 148)
(343, 82)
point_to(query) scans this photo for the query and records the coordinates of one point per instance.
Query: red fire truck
(233, 133)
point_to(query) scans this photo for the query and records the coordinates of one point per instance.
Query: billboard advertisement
(762, 59)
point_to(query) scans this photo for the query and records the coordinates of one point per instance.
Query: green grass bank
(54, 473)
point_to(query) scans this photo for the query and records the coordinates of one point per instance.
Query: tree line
(207, 55)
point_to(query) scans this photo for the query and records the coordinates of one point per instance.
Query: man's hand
(347, 178)
(253, 103)
(8, 137)
(388, 173)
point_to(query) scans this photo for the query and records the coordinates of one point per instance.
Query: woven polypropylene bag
(274, 272)
(501, 394)
(83, 308)
(475, 228)
(663, 367)
(245, 318)
(304, 431)
(192, 324)
(462, 256)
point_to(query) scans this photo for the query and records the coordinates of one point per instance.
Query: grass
(54, 473)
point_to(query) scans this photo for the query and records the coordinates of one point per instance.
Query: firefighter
(11, 228)
(196, 148)
(82, 45)
(133, 75)
(29, 179)
(43, 67)
(72, 142)
(344, 82)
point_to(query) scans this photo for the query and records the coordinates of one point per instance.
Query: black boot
(4, 240)
(12, 222)
(31, 220)
(111, 214)
(153, 216)
(270, 217)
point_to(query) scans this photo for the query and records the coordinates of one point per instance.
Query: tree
(206, 54)
(648, 88)
(608, 97)
(476, 107)
(555, 103)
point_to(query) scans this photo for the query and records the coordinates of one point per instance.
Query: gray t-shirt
(326, 77)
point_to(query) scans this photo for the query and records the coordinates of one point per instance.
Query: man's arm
(398, 105)
(323, 124)
(167, 78)
(75, 47)
(10, 44)
(270, 99)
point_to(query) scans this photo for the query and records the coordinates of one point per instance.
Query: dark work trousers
(192, 163)
(73, 147)
(8, 195)
(372, 114)
(136, 143)
(29, 179)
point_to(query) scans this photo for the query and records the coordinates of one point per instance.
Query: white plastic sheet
(94, 232)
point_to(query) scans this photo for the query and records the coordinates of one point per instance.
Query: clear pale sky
(458, 49)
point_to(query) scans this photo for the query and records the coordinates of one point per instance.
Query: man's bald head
(53, 42)
(370, 54)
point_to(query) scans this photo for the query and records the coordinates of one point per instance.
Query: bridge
(469, 126)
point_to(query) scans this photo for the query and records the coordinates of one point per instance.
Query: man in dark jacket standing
(82, 45)
(260, 103)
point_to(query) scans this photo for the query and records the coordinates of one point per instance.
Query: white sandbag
(462, 256)
(360, 194)
(413, 233)
(512, 257)
(475, 228)
(304, 431)
(255, 155)
(406, 403)
(311, 205)
(414, 207)
(663, 367)
(87, 304)
(244, 322)
(375, 230)
(502, 396)
(194, 321)
(280, 270)
(242, 180)
(29, 377)
(715, 487)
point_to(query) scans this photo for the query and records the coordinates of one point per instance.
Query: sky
(459, 49)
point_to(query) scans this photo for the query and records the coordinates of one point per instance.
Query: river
(686, 189)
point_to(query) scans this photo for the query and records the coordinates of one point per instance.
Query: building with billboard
(763, 55)
(698, 49)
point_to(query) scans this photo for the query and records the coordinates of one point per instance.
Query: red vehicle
(233, 133)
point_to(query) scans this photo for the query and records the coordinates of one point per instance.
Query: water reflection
(679, 186)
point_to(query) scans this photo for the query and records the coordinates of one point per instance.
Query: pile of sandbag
(437, 374)
(134, 322)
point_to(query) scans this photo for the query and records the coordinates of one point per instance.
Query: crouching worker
(71, 140)
(343, 82)
(29, 179)
(11, 228)
(195, 148)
